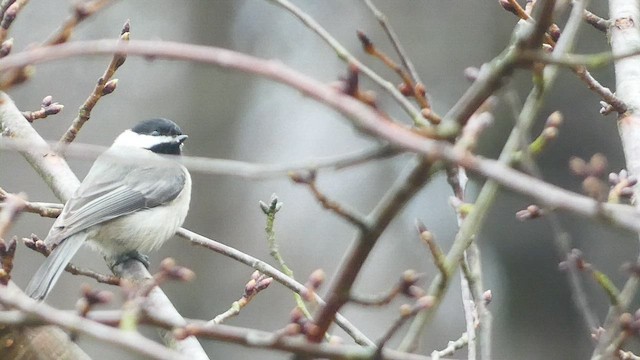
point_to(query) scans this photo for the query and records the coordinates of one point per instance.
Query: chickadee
(122, 207)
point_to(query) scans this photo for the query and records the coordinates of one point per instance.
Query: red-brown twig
(81, 11)
(596, 21)
(35, 244)
(581, 70)
(406, 313)
(43, 209)
(363, 117)
(8, 14)
(344, 212)
(104, 87)
(276, 274)
(257, 283)
(406, 61)
(415, 90)
(48, 107)
(345, 55)
(406, 285)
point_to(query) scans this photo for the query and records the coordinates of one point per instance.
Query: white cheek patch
(132, 139)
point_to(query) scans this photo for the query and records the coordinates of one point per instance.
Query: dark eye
(155, 133)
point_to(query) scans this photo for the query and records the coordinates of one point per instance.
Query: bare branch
(343, 211)
(48, 107)
(391, 204)
(365, 118)
(596, 21)
(207, 165)
(277, 275)
(9, 14)
(406, 61)
(104, 87)
(128, 340)
(82, 10)
(345, 55)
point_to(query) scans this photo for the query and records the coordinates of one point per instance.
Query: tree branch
(363, 117)
(132, 341)
(276, 274)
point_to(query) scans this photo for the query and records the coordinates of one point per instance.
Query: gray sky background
(235, 116)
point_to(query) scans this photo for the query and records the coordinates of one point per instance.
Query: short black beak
(181, 138)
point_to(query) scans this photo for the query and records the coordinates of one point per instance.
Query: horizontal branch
(253, 338)
(207, 165)
(365, 118)
(298, 345)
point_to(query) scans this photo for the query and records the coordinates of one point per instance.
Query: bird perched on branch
(131, 201)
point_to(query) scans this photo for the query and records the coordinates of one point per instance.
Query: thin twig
(475, 308)
(257, 283)
(9, 15)
(451, 348)
(207, 165)
(594, 85)
(47, 108)
(413, 89)
(296, 345)
(82, 11)
(596, 21)
(343, 211)
(406, 312)
(270, 211)
(104, 86)
(387, 209)
(487, 195)
(35, 244)
(562, 242)
(345, 55)
(277, 275)
(405, 286)
(397, 45)
(471, 276)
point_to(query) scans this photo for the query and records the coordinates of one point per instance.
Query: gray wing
(113, 189)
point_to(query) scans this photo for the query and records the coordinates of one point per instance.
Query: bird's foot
(122, 258)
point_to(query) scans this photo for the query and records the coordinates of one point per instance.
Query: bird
(132, 200)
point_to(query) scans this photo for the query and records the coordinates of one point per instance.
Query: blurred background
(235, 116)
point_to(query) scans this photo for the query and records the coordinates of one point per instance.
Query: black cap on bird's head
(157, 127)
(161, 136)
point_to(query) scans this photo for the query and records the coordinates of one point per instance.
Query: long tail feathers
(49, 272)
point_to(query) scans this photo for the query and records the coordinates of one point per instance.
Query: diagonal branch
(387, 209)
(406, 61)
(345, 55)
(276, 274)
